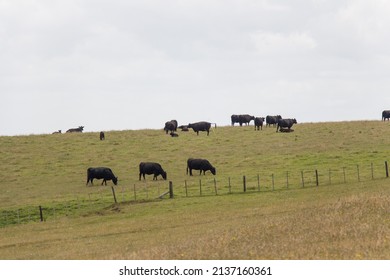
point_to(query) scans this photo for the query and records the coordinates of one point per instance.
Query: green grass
(335, 220)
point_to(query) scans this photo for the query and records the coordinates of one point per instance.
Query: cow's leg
(140, 176)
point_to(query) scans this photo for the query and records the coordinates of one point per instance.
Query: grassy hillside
(323, 222)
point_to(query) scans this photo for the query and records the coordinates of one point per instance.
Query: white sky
(114, 65)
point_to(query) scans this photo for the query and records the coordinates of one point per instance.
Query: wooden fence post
(358, 172)
(287, 179)
(387, 169)
(273, 182)
(372, 171)
(215, 186)
(258, 182)
(317, 181)
(185, 185)
(244, 182)
(41, 213)
(200, 186)
(170, 189)
(113, 193)
(303, 180)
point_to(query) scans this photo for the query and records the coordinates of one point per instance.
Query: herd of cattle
(203, 165)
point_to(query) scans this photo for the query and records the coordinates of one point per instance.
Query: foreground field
(340, 219)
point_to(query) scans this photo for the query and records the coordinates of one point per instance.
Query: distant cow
(245, 119)
(170, 126)
(57, 132)
(259, 123)
(104, 173)
(183, 127)
(201, 165)
(79, 129)
(200, 126)
(285, 123)
(102, 136)
(386, 115)
(173, 134)
(272, 120)
(235, 119)
(151, 168)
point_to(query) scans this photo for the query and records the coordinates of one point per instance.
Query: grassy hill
(278, 217)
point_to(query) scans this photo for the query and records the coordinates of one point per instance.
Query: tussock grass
(336, 220)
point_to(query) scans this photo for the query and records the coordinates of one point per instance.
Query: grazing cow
(259, 123)
(79, 129)
(101, 173)
(285, 123)
(200, 164)
(235, 119)
(102, 136)
(57, 132)
(151, 168)
(170, 126)
(386, 115)
(200, 126)
(245, 119)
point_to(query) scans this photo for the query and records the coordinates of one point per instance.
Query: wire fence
(102, 198)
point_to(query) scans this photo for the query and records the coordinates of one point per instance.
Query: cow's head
(115, 181)
(164, 175)
(213, 170)
(294, 121)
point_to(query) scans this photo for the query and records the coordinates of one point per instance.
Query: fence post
(170, 189)
(113, 193)
(387, 169)
(200, 186)
(244, 182)
(258, 182)
(185, 185)
(372, 171)
(273, 182)
(41, 213)
(215, 186)
(303, 180)
(317, 182)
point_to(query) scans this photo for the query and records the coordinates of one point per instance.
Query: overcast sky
(115, 65)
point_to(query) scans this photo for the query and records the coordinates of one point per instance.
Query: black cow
(200, 164)
(245, 119)
(272, 120)
(200, 126)
(285, 123)
(259, 123)
(102, 136)
(386, 115)
(235, 119)
(151, 168)
(104, 173)
(173, 134)
(79, 129)
(170, 126)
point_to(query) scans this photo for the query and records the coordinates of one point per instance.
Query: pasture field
(346, 217)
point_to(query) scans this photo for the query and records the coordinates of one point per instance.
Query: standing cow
(201, 165)
(285, 123)
(200, 126)
(386, 115)
(102, 136)
(259, 123)
(272, 120)
(170, 126)
(104, 173)
(151, 168)
(245, 119)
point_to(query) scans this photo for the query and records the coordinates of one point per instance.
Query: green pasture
(282, 215)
